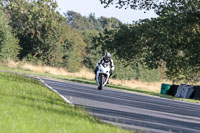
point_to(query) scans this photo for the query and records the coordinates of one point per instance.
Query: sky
(85, 7)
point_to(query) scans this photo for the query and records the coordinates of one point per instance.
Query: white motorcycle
(102, 75)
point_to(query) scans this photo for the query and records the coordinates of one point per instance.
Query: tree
(123, 42)
(77, 21)
(91, 22)
(172, 38)
(9, 48)
(92, 53)
(38, 27)
(73, 49)
(109, 23)
(95, 22)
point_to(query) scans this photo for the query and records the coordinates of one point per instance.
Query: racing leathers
(101, 61)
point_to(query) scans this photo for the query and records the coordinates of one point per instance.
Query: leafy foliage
(97, 47)
(92, 53)
(91, 22)
(172, 38)
(43, 34)
(47, 36)
(9, 48)
(77, 21)
(73, 49)
(133, 4)
(38, 27)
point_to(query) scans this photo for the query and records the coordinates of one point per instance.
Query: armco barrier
(195, 95)
(197, 92)
(173, 90)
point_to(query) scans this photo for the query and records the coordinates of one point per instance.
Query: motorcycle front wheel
(101, 82)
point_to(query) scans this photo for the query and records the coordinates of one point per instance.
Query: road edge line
(52, 89)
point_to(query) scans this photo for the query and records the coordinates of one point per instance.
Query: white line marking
(49, 87)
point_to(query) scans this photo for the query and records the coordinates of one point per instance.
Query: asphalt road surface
(138, 112)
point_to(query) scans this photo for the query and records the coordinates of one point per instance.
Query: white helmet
(107, 57)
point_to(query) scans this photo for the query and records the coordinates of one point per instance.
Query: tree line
(149, 49)
(92, 28)
(35, 31)
(40, 34)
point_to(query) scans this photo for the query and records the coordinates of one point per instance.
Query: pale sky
(85, 7)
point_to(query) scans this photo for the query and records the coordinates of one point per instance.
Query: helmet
(107, 57)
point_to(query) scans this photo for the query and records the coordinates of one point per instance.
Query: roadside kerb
(49, 87)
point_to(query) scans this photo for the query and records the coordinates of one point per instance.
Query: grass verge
(86, 81)
(26, 106)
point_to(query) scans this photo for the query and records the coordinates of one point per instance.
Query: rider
(107, 59)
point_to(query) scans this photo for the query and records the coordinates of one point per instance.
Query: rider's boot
(95, 72)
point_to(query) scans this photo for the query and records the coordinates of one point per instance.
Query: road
(134, 111)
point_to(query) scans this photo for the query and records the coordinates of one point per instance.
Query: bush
(139, 72)
(148, 75)
(122, 72)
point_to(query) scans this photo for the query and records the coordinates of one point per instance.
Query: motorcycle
(102, 75)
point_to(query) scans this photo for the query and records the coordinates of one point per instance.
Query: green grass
(86, 81)
(26, 106)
